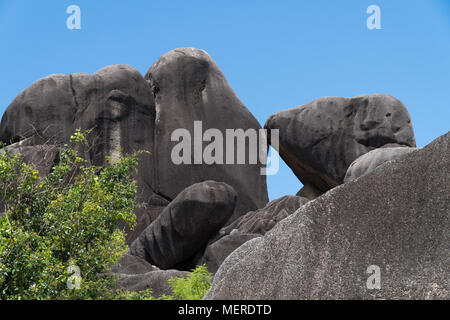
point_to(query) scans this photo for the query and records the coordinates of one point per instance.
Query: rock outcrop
(128, 113)
(262, 220)
(392, 212)
(320, 140)
(186, 224)
(251, 225)
(43, 112)
(115, 102)
(395, 218)
(188, 86)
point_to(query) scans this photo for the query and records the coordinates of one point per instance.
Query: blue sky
(275, 54)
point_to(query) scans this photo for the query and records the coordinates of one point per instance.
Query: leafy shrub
(194, 286)
(62, 223)
(59, 234)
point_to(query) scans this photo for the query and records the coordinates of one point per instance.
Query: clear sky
(275, 54)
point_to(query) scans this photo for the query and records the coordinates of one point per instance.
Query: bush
(63, 226)
(59, 234)
(194, 286)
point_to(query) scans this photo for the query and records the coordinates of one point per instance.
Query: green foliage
(141, 295)
(194, 286)
(59, 234)
(69, 218)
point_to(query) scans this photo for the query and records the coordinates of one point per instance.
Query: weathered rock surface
(188, 86)
(136, 274)
(371, 160)
(319, 140)
(186, 224)
(219, 250)
(251, 225)
(130, 264)
(53, 107)
(262, 220)
(145, 216)
(157, 281)
(392, 214)
(116, 102)
(396, 217)
(119, 105)
(43, 157)
(44, 111)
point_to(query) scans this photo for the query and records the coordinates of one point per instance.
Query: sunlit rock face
(127, 112)
(320, 140)
(116, 103)
(394, 219)
(188, 86)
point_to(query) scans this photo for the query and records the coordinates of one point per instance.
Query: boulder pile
(370, 197)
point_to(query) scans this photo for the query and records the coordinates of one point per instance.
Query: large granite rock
(251, 225)
(373, 159)
(44, 112)
(53, 107)
(115, 102)
(319, 140)
(396, 217)
(118, 104)
(186, 224)
(188, 86)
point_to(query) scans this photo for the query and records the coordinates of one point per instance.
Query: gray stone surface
(262, 220)
(42, 157)
(157, 281)
(186, 224)
(373, 159)
(188, 86)
(130, 264)
(251, 225)
(44, 111)
(216, 252)
(129, 113)
(395, 217)
(319, 140)
(116, 102)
